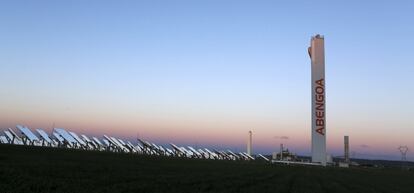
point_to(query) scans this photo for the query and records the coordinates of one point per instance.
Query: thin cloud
(364, 146)
(282, 137)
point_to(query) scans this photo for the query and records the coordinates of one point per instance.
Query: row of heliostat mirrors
(67, 139)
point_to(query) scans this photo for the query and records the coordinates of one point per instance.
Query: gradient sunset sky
(204, 73)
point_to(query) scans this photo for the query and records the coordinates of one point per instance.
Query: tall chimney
(281, 151)
(249, 143)
(346, 148)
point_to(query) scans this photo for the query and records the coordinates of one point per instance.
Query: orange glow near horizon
(208, 125)
(222, 132)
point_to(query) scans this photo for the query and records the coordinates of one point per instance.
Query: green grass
(36, 169)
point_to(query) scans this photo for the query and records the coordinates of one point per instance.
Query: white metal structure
(45, 137)
(78, 139)
(68, 139)
(3, 139)
(263, 157)
(28, 137)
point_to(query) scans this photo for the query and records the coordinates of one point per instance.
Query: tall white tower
(346, 148)
(317, 55)
(249, 143)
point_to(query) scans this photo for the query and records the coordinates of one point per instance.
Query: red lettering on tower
(320, 106)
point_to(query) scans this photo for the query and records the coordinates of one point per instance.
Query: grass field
(37, 169)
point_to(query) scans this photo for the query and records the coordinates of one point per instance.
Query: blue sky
(210, 68)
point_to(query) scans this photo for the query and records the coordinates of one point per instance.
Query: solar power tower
(317, 55)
